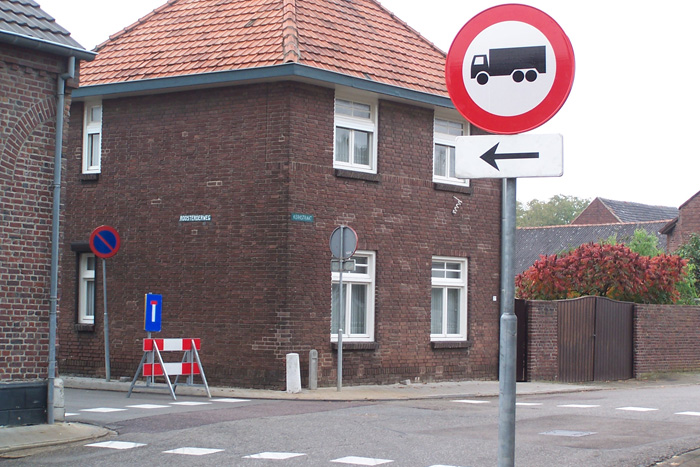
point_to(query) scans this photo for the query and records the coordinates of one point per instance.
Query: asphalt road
(621, 427)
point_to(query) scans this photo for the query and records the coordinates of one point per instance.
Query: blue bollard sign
(153, 312)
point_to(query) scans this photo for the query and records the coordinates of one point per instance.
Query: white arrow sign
(514, 156)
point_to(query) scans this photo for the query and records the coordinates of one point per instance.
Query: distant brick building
(608, 211)
(225, 149)
(34, 53)
(679, 230)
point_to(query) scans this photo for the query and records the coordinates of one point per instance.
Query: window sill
(89, 177)
(356, 346)
(451, 344)
(467, 190)
(344, 173)
(84, 327)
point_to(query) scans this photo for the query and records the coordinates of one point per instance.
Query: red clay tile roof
(359, 38)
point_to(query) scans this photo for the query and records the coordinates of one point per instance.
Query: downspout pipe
(53, 297)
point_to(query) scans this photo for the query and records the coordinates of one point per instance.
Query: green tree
(691, 252)
(558, 210)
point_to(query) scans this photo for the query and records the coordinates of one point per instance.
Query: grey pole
(341, 311)
(509, 327)
(106, 320)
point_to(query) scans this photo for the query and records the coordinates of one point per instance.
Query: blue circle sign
(105, 241)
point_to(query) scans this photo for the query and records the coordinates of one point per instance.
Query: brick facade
(688, 222)
(251, 283)
(27, 141)
(666, 338)
(594, 214)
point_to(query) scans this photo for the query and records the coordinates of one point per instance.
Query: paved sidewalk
(19, 441)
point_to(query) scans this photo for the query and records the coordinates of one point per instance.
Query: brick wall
(27, 136)
(688, 223)
(666, 338)
(595, 213)
(543, 347)
(251, 283)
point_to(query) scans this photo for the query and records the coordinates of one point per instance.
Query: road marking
(190, 403)
(528, 404)
(274, 455)
(568, 433)
(148, 406)
(115, 445)
(193, 451)
(636, 409)
(578, 406)
(361, 460)
(467, 401)
(70, 414)
(103, 410)
(231, 400)
(694, 414)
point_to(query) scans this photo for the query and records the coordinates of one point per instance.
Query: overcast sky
(629, 125)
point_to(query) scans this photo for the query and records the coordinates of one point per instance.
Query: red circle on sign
(105, 241)
(542, 112)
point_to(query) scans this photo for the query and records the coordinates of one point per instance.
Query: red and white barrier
(190, 365)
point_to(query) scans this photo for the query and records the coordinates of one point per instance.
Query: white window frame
(359, 277)
(356, 123)
(92, 129)
(446, 283)
(86, 288)
(448, 139)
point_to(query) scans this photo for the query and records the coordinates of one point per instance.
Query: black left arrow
(490, 156)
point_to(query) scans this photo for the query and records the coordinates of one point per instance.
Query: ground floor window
(86, 288)
(448, 311)
(357, 319)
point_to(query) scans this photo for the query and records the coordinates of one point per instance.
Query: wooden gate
(595, 339)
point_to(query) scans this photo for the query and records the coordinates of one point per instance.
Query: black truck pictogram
(520, 62)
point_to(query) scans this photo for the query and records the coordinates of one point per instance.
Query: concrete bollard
(59, 401)
(313, 369)
(293, 374)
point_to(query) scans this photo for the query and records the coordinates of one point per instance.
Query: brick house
(609, 211)
(687, 222)
(225, 142)
(36, 58)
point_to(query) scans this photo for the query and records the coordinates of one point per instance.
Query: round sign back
(348, 238)
(510, 69)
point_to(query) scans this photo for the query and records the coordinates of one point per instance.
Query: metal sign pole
(509, 328)
(106, 320)
(341, 312)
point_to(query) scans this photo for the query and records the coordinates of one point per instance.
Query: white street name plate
(509, 156)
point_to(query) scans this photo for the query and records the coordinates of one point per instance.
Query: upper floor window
(448, 311)
(445, 133)
(357, 320)
(92, 137)
(86, 288)
(355, 136)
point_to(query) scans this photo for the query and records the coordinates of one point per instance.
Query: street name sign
(510, 69)
(511, 156)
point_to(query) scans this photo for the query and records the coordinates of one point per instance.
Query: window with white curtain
(86, 288)
(357, 319)
(92, 137)
(448, 311)
(355, 136)
(445, 133)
